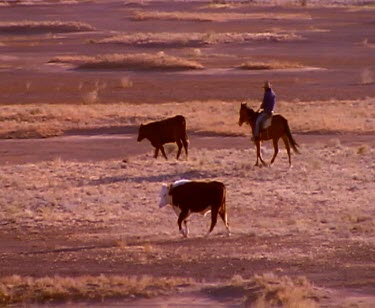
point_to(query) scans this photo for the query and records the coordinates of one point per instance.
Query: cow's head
(141, 133)
(165, 197)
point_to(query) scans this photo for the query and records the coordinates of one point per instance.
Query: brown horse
(279, 128)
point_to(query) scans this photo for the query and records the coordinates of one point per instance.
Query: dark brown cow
(165, 131)
(189, 197)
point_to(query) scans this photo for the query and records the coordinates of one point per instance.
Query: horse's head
(244, 114)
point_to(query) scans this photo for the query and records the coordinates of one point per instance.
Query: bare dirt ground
(84, 204)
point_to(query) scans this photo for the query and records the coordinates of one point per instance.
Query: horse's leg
(259, 154)
(256, 153)
(287, 146)
(275, 142)
(257, 150)
(179, 144)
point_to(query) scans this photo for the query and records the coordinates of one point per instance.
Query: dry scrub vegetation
(39, 2)
(259, 291)
(212, 17)
(143, 61)
(44, 27)
(328, 193)
(23, 121)
(327, 198)
(194, 39)
(17, 289)
(269, 65)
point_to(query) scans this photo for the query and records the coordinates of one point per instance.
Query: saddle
(266, 123)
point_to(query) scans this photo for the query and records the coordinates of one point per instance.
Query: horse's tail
(292, 142)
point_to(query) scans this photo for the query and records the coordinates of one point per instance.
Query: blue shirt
(269, 101)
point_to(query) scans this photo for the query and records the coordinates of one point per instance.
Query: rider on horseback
(267, 106)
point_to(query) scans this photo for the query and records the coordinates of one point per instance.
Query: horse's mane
(251, 113)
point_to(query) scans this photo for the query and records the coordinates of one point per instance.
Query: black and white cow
(187, 197)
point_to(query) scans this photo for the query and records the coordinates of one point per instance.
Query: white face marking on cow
(165, 198)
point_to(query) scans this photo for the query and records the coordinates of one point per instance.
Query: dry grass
(143, 61)
(49, 120)
(39, 2)
(260, 291)
(353, 5)
(44, 27)
(194, 39)
(319, 209)
(367, 77)
(328, 194)
(18, 289)
(284, 292)
(212, 17)
(269, 65)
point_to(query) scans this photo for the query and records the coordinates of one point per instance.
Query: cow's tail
(223, 209)
(291, 140)
(183, 123)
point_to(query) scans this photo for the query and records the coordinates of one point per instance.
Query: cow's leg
(182, 218)
(186, 146)
(163, 152)
(214, 212)
(179, 144)
(156, 152)
(186, 228)
(224, 217)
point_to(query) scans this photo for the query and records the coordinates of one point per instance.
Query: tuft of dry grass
(194, 39)
(138, 15)
(283, 291)
(126, 82)
(44, 27)
(39, 2)
(142, 61)
(367, 77)
(20, 289)
(269, 65)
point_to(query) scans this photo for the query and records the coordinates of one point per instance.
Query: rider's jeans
(260, 119)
